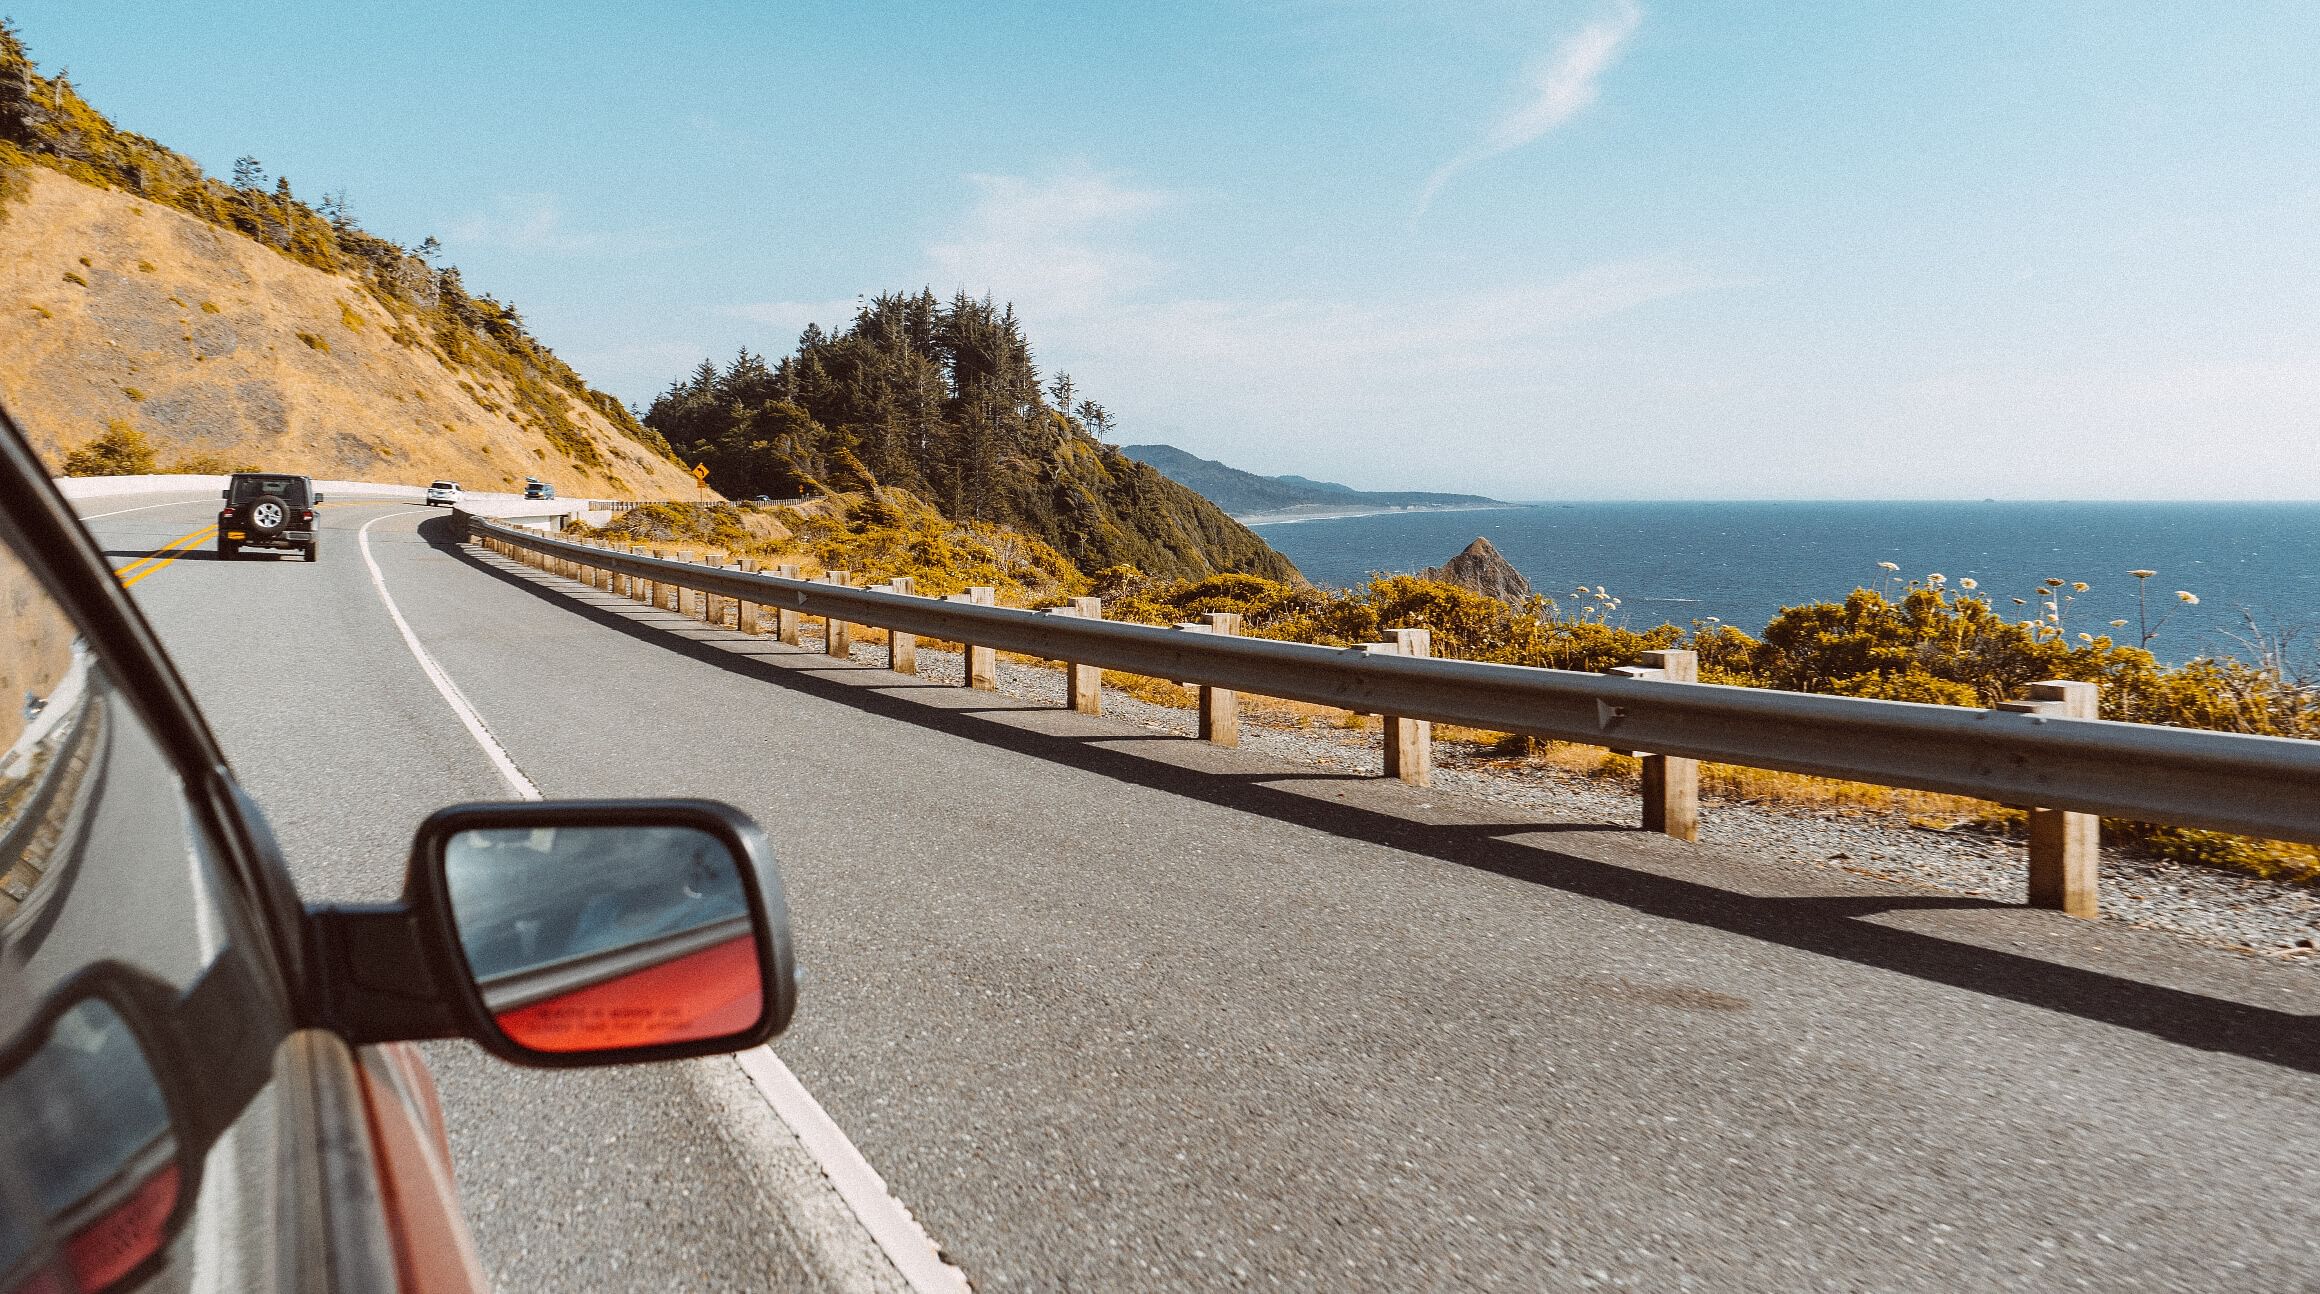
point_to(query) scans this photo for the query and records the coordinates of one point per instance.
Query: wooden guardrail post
(981, 664)
(1083, 685)
(837, 635)
(1671, 785)
(652, 588)
(902, 648)
(748, 617)
(2065, 847)
(785, 619)
(1220, 708)
(711, 610)
(1409, 743)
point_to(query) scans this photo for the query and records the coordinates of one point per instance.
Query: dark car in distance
(539, 490)
(271, 510)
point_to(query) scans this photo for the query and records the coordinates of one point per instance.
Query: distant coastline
(1325, 512)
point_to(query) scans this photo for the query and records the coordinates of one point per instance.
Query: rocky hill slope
(233, 325)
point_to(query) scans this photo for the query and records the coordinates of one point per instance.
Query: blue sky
(1549, 250)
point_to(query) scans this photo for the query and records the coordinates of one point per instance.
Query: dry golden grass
(235, 376)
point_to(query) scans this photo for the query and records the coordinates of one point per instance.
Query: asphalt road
(1116, 1011)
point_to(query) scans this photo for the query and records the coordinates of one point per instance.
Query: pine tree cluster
(943, 399)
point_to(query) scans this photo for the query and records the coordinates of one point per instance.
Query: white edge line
(887, 1219)
(514, 776)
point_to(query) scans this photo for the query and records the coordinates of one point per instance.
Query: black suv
(268, 510)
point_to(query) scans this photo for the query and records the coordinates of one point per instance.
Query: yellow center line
(169, 551)
(161, 558)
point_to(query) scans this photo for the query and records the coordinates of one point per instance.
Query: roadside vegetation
(876, 535)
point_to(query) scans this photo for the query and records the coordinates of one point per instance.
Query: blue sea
(1741, 562)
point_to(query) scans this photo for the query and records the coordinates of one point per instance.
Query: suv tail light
(307, 515)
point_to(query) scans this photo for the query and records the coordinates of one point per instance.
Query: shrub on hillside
(121, 451)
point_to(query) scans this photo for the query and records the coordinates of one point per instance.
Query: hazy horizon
(1597, 250)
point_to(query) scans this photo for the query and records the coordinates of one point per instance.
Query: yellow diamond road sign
(700, 471)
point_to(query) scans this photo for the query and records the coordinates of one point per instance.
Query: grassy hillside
(234, 324)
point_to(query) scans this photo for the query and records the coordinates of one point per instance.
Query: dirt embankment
(112, 307)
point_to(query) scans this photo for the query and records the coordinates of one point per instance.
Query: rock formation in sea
(1484, 570)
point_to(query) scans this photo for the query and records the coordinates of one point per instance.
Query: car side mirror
(570, 933)
(227, 495)
(318, 496)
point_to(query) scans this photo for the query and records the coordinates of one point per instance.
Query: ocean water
(1741, 562)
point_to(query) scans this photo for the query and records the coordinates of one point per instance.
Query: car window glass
(136, 1028)
(289, 490)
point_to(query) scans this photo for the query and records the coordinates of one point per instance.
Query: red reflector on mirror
(130, 1232)
(707, 994)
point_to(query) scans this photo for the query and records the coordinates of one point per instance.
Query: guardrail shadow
(1827, 926)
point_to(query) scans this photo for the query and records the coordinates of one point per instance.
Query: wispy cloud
(1055, 245)
(535, 224)
(525, 222)
(1561, 84)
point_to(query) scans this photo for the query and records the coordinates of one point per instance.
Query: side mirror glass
(318, 496)
(605, 938)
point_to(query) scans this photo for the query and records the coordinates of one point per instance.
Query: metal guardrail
(2267, 787)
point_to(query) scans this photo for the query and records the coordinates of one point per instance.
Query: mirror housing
(318, 496)
(573, 951)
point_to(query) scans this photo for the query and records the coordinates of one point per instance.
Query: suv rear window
(289, 489)
(444, 485)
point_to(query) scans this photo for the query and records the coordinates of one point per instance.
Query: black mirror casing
(397, 971)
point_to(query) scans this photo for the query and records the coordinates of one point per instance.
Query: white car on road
(443, 492)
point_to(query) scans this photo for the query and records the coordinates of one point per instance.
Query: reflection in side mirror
(318, 496)
(90, 1172)
(602, 938)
